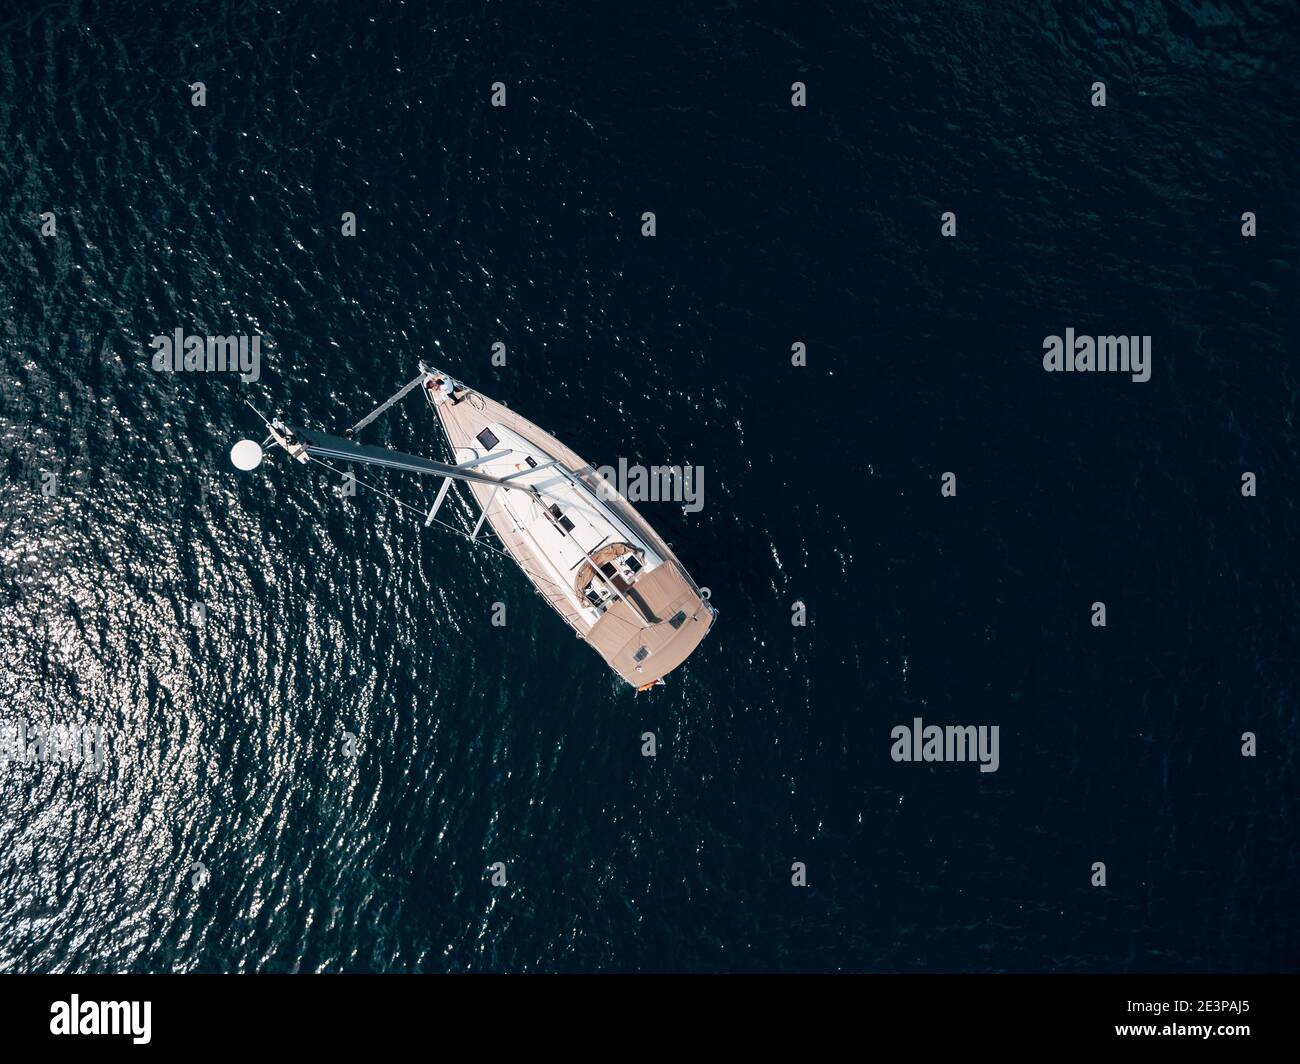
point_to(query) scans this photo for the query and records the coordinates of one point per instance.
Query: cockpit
(618, 565)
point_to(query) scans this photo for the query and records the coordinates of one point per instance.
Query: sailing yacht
(583, 546)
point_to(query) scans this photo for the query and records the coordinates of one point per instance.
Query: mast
(304, 444)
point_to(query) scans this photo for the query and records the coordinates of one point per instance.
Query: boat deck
(679, 617)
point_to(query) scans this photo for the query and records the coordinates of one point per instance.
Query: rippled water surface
(229, 830)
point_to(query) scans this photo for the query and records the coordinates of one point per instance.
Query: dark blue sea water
(228, 830)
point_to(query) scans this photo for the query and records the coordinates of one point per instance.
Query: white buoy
(246, 454)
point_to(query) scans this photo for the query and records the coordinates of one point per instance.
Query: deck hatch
(641, 654)
(677, 619)
(561, 522)
(487, 438)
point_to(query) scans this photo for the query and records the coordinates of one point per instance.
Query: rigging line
(257, 412)
(263, 420)
(530, 572)
(419, 513)
(534, 576)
